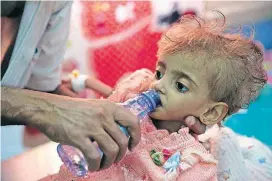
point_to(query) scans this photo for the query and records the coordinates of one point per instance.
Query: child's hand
(69, 88)
(66, 89)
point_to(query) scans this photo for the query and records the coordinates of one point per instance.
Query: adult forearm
(22, 107)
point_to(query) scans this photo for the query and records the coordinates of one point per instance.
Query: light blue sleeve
(46, 72)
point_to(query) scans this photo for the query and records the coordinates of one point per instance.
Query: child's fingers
(68, 81)
(67, 90)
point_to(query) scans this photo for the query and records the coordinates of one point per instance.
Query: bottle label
(139, 107)
(135, 107)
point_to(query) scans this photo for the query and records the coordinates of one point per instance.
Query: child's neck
(170, 126)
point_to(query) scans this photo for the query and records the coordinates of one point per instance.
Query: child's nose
(159, 86)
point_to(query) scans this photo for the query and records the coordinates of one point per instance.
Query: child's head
(205, 73)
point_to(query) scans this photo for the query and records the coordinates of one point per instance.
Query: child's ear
(214, 114)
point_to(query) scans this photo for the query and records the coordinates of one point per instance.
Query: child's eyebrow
(161, 63)
(177, 72)
(183, 75)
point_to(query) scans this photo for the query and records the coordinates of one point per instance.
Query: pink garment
(196, 163)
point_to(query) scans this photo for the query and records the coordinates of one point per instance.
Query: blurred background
(110, 38)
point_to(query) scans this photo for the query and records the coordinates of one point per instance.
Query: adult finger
(195, 125)
(108, 147)
(131, 122)
(119, 137)
(90, 152)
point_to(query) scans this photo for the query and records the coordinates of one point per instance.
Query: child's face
(182, 83)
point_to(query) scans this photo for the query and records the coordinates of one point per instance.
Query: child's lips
(160, 105)
(157, 108)
(161, 98)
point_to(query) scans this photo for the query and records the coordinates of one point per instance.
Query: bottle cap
(154, 97)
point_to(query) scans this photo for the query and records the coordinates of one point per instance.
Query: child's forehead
(197, 65)
(192, 60)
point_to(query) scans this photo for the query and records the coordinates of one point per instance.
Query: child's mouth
(161, 103)
(158, 108)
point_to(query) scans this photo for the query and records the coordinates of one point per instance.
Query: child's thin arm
(97, 85)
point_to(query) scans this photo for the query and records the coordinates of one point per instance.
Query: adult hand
(197, 128)
(78, 121)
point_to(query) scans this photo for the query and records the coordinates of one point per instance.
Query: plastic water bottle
(141, 106)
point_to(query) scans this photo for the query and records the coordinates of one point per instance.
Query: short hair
(237, 73)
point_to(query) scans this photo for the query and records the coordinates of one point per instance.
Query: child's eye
(158, 75)
(181, 88)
